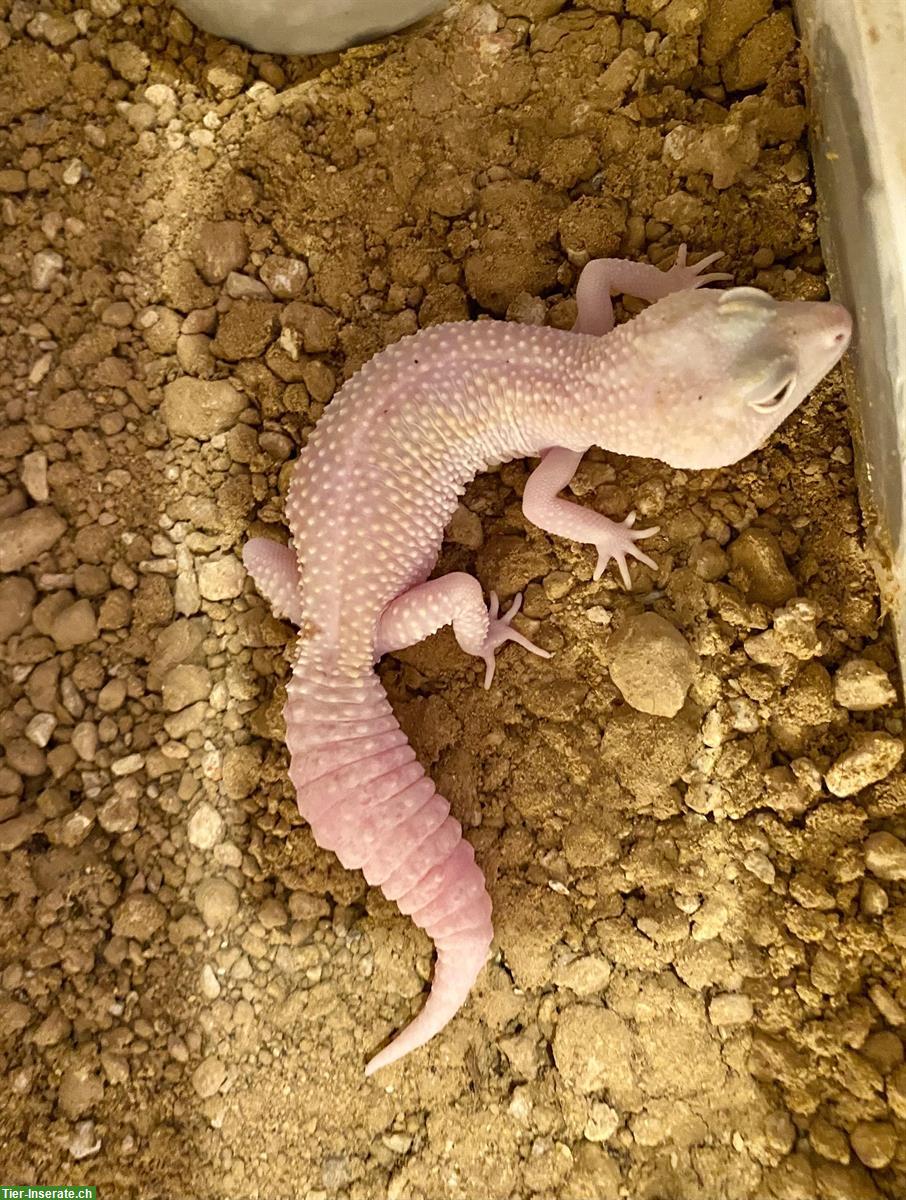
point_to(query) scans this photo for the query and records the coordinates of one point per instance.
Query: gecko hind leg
(275, 570)
(456, 600)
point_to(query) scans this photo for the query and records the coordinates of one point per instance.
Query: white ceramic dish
(305, 26)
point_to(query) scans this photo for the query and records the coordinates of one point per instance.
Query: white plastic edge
(857, 56)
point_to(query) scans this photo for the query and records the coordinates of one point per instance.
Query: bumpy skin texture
(700, 379)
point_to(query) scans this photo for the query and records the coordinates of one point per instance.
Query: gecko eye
(776, 399)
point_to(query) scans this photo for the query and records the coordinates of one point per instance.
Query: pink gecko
(700, 379)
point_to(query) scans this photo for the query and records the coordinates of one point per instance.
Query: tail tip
(383, 1058)
(372, 1065)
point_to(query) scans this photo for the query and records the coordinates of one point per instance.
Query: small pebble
(871, 758)
(885, 856)
(139, 916)
(285, 278)
(200, 408)
(875, 1143)
(127, 765)
(862, 686)
(119, 814)
(222, 579)
(217, 901)
(26, 536)
(205, 827)
(764, 576)
(245, 287)
(18, 830)
(210, 984)
(80, 1091)
(730, 1008)
(653, 665)
(74, 625)
(45, 267)
(208, 1077)
(183, 685)
(34, 476)
(222, 246)
(17, 598)
(760, 866)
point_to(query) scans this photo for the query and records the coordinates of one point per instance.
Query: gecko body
(699, 379)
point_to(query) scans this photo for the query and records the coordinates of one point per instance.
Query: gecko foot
(499, 631)
(620, 544)
(684, 278)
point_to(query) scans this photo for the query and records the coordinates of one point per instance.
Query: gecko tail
(458, 965)
(368, 800)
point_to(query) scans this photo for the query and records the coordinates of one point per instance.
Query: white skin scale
(699, 380)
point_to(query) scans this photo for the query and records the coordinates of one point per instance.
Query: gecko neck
(602, 399)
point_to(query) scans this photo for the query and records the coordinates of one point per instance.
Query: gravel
(697, 980)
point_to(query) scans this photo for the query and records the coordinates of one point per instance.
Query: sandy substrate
(697, 989)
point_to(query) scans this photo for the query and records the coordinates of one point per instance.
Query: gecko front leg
(543, 508)
(456, 600)
(606, 277)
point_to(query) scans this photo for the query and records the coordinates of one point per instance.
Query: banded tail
(368, 800)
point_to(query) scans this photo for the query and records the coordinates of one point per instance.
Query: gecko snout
(841, 325)
(836, 326)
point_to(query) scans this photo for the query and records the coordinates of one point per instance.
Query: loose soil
(698, 869)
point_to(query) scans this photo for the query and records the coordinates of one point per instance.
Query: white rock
(885, 856)
(205, 828)
(39, 729)
(603, 1122)
(73, 172)
(730, 1008)
(127, 765)
(210, 984)
(119, 814)
(45, 267)
(861, 686)
(34, 475)
(159, 94)
(222, 578)
(84, 1141)
(870, 758)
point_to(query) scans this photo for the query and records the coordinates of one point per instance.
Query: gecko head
(739, 363)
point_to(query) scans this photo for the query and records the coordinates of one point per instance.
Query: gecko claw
(499, 631)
